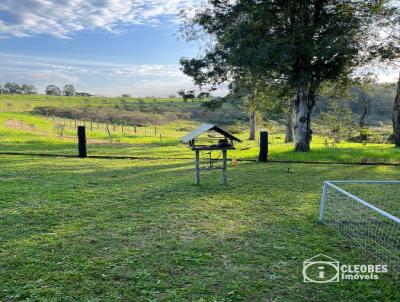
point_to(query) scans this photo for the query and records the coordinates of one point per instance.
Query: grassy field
(140, 230)
(119, 230)
(27, 133)
(114, 230)
(23, 103)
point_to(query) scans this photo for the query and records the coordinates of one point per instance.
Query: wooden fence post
(224, 159)
(263, 157)
(82, 141)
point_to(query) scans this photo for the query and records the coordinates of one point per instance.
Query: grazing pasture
(25, 132)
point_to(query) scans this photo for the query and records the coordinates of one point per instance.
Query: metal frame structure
(367, 226)
(225, 142)
(357, 199)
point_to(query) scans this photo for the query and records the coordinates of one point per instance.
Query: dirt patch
(20, 125)
(30, 128)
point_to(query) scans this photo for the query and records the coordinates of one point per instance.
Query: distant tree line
(14, 88)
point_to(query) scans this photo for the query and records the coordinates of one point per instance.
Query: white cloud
(62, 18)
(146, 70)
(39, 77)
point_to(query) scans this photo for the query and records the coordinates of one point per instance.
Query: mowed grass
(120, 230)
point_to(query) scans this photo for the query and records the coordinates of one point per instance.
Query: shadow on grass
(345, 155)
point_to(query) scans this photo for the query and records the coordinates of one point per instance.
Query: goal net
(367, 214)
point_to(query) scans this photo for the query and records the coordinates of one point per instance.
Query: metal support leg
(323, 200)
(197, 167)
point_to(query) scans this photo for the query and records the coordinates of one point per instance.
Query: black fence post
(82, 141)
(263, 157)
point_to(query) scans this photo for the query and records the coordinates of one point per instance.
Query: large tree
(244, 90)
(388, 50)
(53, 90)
(28, 89)
(258, 97)
(69, 90)
(364, 86)
(12, 88)
(301, 42)
(396, 116)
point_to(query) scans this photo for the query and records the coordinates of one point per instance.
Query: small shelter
(209, 138)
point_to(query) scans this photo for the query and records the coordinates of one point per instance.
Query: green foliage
(53, 90)
(284, 39)
(12, 88)
(125, 117)
(213, 104)
(68, 90)
(302, 43)
(338, 118)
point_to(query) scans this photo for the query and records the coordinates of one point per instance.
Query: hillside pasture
(25, 132)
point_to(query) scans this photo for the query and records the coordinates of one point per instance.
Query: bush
(109, 115)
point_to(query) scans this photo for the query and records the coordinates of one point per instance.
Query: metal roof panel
(203, 128)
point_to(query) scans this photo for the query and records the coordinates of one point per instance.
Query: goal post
(367, 214)
(355, 198)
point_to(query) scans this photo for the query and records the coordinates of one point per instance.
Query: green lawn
(121, 230)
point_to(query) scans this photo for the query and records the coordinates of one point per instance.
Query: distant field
(23, 131)
(18, 103)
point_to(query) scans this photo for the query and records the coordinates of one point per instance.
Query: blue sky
(106, 47)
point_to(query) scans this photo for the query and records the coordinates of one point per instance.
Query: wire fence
(58, 136)
(49, 135)
(367, 214)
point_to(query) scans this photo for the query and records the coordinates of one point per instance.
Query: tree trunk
(396, 116)
(363, 134)
(253, 123)
(289, 128)
(303, 107)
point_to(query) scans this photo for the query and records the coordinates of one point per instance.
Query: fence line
(55, 135)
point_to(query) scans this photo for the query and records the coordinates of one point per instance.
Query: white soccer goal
(367, 214)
